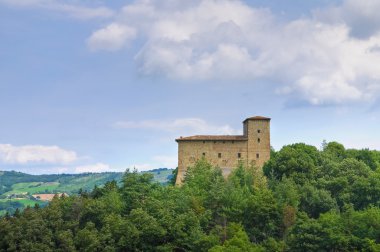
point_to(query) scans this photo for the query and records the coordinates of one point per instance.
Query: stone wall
(253, 147)
(189, 152)
(258, 134)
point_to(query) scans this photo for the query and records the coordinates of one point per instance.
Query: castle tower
(226, 151)
(257, 132)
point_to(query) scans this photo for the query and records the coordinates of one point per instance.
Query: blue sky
(108, 85)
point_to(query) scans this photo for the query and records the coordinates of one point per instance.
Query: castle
(225, 151)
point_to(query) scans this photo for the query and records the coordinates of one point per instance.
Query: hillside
(304, 199)
(16, 188)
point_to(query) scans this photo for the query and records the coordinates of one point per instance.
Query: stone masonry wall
(191, 151)
(253, 146)
(258, 133)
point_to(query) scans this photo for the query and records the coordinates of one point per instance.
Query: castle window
(219, 155)
(239, 155)
(257, 155)
(258, 131)
(258, 140)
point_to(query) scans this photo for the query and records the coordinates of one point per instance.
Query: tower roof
(257, 118)
(213, 138)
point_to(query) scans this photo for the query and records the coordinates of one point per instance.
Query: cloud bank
(10, 154)
(331, 57)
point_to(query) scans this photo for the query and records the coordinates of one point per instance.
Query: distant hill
(16, 188)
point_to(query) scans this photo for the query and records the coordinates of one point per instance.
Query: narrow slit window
(258, 131)
(239, 155)
(258, 140)
(219, 155)
(257, 155)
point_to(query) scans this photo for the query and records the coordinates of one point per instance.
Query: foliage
(305, 200)
(16, 188)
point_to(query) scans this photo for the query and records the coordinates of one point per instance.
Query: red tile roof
(213, 138)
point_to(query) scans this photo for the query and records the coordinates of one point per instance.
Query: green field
(25, 202)
(28, 202)
(16, 183)
(33, 187)
(10, 205)
(67, 183)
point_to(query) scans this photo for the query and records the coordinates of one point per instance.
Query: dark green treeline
(306, 200)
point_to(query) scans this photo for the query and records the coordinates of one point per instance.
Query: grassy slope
(66, 183)
(69, 183)
(87, 182)
(72, 183)
(33, 187)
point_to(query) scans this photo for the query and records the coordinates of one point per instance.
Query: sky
(95, 85)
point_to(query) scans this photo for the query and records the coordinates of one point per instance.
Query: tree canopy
(304, 199)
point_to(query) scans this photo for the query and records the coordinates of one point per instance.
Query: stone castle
(226, 151)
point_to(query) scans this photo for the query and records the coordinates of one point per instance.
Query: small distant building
(226, 151)
(48, 196)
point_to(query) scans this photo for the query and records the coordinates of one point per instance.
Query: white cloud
(184, 126)
(10, 154)
(98, 167)
(319, 59)
(64, 7)
(362, 17)
(112, 37)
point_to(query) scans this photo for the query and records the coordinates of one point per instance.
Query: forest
(303, 199)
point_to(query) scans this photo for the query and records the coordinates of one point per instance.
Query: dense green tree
(236, 239)
(150, 232)
(299, 161)
(370, 158)
(65, 241)
(87, 239)
(136, 188)
(263, 216)
(315, 201)
(335, 151)
(306, 200)
(307, 235)
(287, 193)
